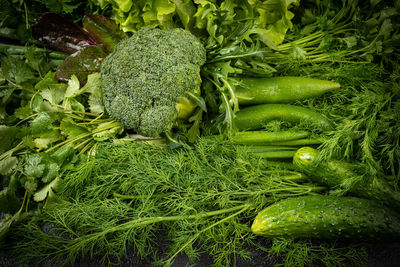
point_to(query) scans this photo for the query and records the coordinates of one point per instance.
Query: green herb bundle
(127, 195)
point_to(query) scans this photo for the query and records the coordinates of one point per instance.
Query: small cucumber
(335, 173)
(264, 138)
(281, 89)
(327, 217)
(255, 117)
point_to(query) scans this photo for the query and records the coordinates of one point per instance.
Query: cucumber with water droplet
(256, 116)
(328, 217)
(335, 174)
(284, 89)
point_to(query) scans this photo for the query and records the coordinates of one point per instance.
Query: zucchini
(335, 173)
(281, 89)
(255, 117)
(327, 217)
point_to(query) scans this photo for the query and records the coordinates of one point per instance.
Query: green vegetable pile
(199, 127)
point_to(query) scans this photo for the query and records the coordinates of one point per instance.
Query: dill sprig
(312, 252)
(128, 195)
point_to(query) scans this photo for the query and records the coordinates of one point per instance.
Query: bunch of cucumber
(372, 210)
(372, 213)
(262, 100)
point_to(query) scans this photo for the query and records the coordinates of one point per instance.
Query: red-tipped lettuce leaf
(103, 30)
(61, 34)
(81, 64)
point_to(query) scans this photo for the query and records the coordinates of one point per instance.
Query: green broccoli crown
(145, 75)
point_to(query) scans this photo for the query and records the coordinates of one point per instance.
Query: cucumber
(263, 137)
(255, 117)
(335, 173)
(328, 217)
(281, 89)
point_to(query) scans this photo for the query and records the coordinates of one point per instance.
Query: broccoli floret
(147, 75)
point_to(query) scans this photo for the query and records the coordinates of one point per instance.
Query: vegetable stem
(21, 50)
(245, 207)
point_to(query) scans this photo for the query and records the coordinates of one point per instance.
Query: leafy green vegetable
(16, 70)
(41, 124)
(130, 193)
(103, 30)
(7, 164)
(307, 253)
(93, 87)
(46, 191)
(84, 62)
(60, 33)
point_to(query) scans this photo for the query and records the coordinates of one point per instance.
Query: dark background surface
(385, 254)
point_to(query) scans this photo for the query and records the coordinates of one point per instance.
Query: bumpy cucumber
(281, 89)
(328, 217)
(254, 117)
(335, 173)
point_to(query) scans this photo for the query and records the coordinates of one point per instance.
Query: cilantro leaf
(62, 154)
(34, 166)
(46, 190)
(50, 89)
(47, 138)
(107, 130)
(52, 169)
(16, 70)
(41, 124)
(70, 128)
(93, 86)
(23, 112)
(7, 164)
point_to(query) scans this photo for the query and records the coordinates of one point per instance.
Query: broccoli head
(146, 78)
